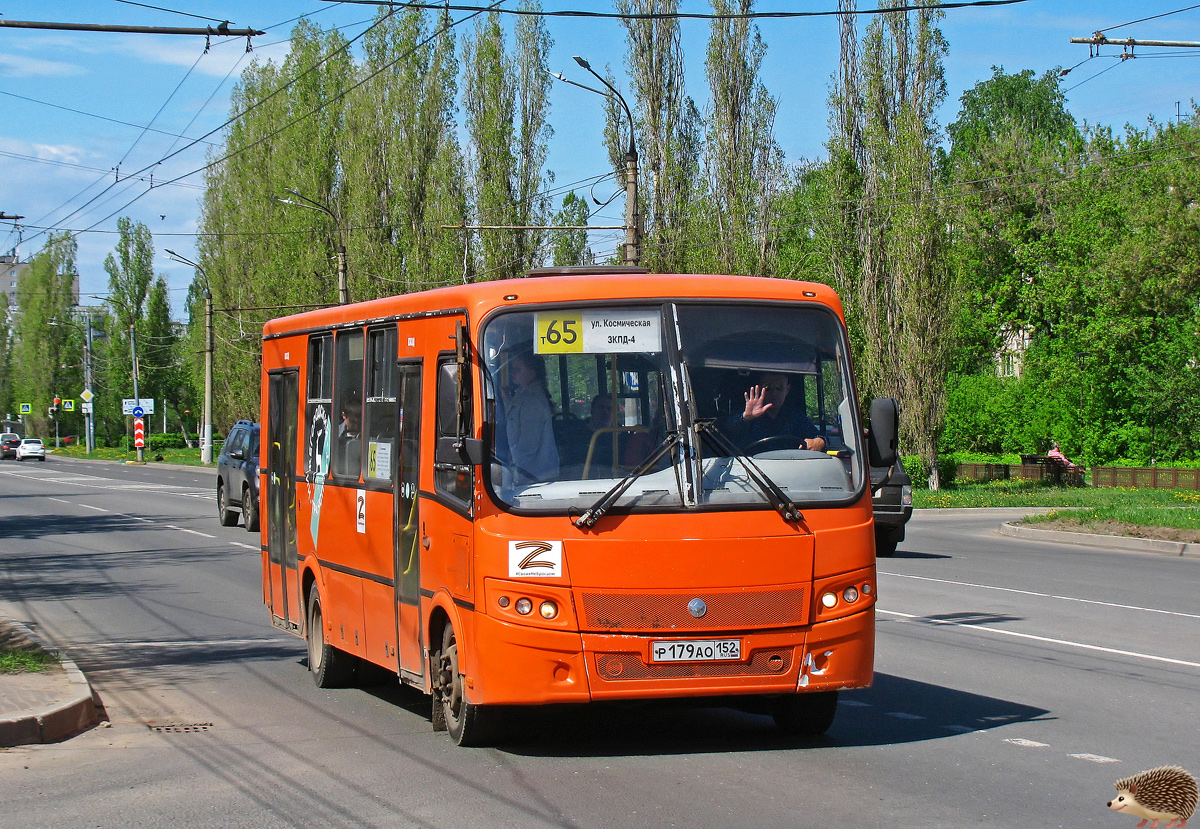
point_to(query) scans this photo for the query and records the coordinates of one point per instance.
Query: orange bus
(588, 484)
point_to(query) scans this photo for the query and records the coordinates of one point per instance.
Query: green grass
(25, 660)
(189, 457)
(1022, 493)
(1152, 513)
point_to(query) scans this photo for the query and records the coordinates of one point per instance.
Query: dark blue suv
(237, 476)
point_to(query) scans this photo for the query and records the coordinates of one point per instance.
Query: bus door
(287, 609)
(407, 519)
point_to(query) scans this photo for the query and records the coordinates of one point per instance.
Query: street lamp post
(633, 220)
(206, 444)
(343, 282)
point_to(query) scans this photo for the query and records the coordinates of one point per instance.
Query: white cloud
(15, 66)
(183, 51)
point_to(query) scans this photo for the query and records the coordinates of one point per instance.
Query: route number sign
(598, 332)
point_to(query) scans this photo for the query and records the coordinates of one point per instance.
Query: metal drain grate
(179, 728)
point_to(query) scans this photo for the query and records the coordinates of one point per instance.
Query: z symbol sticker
(535, 559)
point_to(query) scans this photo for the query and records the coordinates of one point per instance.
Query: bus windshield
(580, 398)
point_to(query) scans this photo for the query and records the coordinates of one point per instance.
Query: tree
(667, 130)
(894, 273)
(742, 161)
(42, 351)
(571, 246)
(506, 107)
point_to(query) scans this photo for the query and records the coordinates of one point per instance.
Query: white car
(31, 448)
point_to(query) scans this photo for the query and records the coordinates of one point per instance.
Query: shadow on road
(894, 710)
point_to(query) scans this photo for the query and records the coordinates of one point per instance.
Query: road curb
(1108, 542)
(72, 711)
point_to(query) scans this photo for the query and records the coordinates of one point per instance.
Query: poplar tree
(506, 117)
(667, 130)
(896, 273)
(742, 161)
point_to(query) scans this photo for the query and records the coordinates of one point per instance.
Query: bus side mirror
(885, 426)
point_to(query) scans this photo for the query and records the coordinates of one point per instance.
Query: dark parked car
(893, 507)
(237, 476)
(8, 445)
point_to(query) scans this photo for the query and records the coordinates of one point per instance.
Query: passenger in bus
(767, 415)
(349, 439)
(528, 421)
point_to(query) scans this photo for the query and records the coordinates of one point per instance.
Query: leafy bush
(947, 470)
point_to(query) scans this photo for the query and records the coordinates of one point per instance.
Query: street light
(206, 435)
(89, 422)
(633, 230)
(343, 285)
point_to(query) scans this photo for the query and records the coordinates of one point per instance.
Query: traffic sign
(86, 395)
(138, 412)
(146, 404)
(139, 433)
(68, 405)
(26, 408)
(85, 407)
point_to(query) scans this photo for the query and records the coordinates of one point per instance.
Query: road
(1016, 681)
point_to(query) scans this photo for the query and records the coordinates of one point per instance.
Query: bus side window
(454, 480)
(348, 382)
(380, 415)
(318, 416)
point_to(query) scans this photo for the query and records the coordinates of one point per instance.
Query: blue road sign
(137, 411)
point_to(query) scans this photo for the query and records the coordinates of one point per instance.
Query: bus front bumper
(519, 665)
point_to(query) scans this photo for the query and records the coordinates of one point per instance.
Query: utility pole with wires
(1127, 44)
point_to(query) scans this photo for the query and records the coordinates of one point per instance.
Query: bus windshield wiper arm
(783, 505)
(597, 510)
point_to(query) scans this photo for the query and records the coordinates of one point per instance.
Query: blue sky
(53, 161)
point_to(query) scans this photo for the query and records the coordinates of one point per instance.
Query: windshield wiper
(770, 490)
(597, 510)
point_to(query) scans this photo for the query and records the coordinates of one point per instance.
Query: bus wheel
(805, 715)
(331, 668)
(467, 723)
(249, 510)
(228, 517)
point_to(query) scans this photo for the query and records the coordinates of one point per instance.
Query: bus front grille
(657, 612)
(615, 667)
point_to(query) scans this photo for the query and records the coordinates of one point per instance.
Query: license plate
(696, 650)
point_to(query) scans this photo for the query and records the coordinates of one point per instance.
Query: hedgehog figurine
(1166, 793)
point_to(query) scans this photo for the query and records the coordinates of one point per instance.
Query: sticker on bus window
(535, 559)
(598, 332)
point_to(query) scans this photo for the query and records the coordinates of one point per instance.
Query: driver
(766, 415)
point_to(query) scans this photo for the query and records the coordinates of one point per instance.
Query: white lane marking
(902, 715)
(1095, 758)
(1044, 595)
(249, 547)
(959, 729)
(193, 532)
(89, 506)
(853, 703)
(1023, 743)
(1047, 639)
(112, 485)
(61, 501)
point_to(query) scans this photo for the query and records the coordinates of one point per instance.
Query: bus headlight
(548, 609)
(850, 594)
(829, 599)
(524, 607)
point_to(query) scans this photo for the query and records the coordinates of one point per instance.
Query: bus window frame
(389, 364)
(670, 345)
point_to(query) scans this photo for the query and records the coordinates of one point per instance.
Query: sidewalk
(46, 706)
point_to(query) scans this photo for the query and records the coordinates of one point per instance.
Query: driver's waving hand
(767, 415)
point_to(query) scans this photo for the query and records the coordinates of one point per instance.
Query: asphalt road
(1015, 682)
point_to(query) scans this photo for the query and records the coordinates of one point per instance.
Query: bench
(1051, 468)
